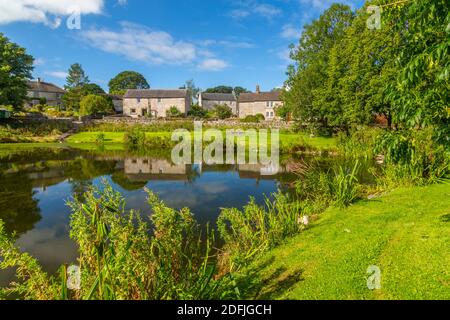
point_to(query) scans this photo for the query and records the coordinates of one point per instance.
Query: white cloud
(140, 43)
(212, 65)
(48, 12)
(255, 8)
(122, 2)
(290, 32)
(266, 10)
(57, 74)
(239, 13)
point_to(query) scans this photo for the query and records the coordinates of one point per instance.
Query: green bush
(413, 157)
(173, 112)
(197, 112)
(250, 119)
(222, 111)
(92, 104)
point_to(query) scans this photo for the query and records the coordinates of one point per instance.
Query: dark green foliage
(223, 111)
(197, 112)
(76, 76)
(15, 69)
(127, 80)
(94, 104)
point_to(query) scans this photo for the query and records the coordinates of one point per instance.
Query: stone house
(209, 100)
(141, 103)
(38, 90)
(259, 102)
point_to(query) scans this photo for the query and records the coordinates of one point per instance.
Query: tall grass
(121, 257)
(255, 229)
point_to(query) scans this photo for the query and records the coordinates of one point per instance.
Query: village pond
(36, 183)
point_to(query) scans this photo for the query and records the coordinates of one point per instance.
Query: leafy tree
(421, 94)
(312, 58)
(92, 104)
(220, 89)
(283, 112)
(127, 80)
(76, 76)
(15, 68)
(222, 111)
(73, 96)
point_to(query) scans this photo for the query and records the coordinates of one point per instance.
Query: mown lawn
(287, 140)
(405, 233)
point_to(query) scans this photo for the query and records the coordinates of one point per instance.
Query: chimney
(39, 80)
(257, 89)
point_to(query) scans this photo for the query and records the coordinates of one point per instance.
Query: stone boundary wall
(233, 123)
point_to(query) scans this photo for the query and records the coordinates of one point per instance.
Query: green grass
(405, 233)
(288, 141)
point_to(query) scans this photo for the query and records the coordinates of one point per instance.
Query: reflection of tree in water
(122, 180)
(18, 209)
(83, 170)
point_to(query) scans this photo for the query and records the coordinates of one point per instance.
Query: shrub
(197, 112)
(345, 185)
(250, 119)
(415, 154)
(92, 104)
(222, 111)
(173, 112)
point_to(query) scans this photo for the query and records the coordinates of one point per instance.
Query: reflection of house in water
(140, 169)
(47, 178)
(254, 171)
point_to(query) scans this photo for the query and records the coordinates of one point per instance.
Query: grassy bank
(289, 142)
(405, 233)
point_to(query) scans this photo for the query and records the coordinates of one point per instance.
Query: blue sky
(213, 42)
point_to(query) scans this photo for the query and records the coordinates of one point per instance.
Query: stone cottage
(259, 102)
(142, 103)
(209, 100)
(38, 90)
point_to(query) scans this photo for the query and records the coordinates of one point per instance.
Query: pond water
(35, 185)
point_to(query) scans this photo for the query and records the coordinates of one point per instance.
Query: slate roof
(44, 87)
(155, 93)
(262, 96)
(218, 96)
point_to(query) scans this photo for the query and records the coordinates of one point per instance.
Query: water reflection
(35, 185)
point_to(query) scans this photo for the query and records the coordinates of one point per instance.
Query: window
(271, 114)
(267, 114)
(267, 104)
(159, 99)
(138, 100)
(133, 111)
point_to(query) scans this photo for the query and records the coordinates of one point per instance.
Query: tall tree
(127, 80)
(73, 96)
(15, 68)
(312, 58)
(76, 76)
